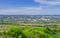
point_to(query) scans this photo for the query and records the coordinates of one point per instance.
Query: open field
(5, 26)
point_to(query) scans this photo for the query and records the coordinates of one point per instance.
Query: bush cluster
(29, 32)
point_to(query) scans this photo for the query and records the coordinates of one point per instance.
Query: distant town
(30, 19)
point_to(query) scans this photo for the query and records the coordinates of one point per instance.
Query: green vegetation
(57, 35)
(22, 26)
(27, 32)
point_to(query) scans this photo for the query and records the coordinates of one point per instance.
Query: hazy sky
(30, 7)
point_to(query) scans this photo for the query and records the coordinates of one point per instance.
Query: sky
(29, 7)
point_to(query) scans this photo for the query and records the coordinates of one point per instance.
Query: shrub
(28, 32)
(6, 36)
(42, 34)
(0, 33)
(20, 36)
(35, 33)
(14, 31)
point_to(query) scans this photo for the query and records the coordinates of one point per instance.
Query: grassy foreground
(15, 31)
(57, 35)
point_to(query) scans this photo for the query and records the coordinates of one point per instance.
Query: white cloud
(30, 11)
(49, 2)
(23, 10)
